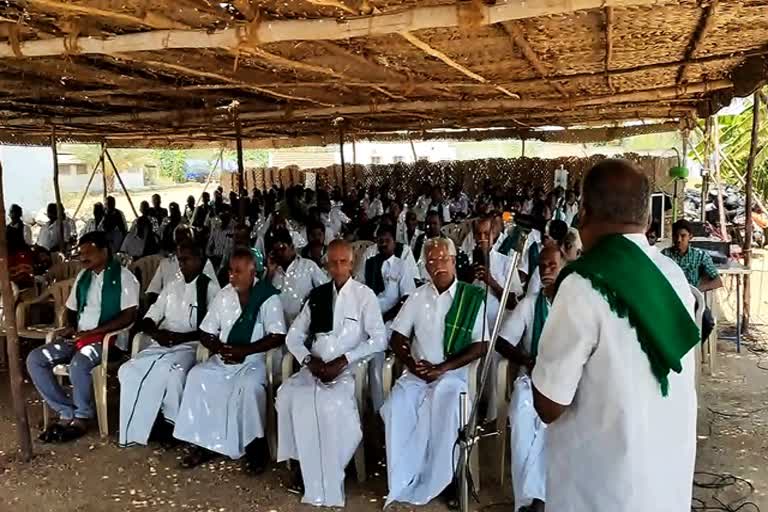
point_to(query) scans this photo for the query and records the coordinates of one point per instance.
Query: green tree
(171, 163)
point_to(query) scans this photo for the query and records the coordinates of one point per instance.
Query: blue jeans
(40, 363)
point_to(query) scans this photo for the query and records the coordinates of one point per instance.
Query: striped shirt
(695, 264)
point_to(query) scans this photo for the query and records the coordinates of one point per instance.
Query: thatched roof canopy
(163, 72)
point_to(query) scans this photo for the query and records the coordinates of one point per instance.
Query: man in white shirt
(168, 270)
(152, 383)
(104, 299)
(220, 241)
(519, 341)
(49, 236)
(223, 409)
(318, 420)
(437, 204)
(615, 441)
(375, 206)
(293, 275)
(411, 233)
(435, 343)
(390, 275)
(433, 227)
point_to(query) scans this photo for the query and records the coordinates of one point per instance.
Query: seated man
(223, 409)
(168, 270)
(220, 241)
(154, 379)
(411, 233)
(421, 416)
(433, 227)
(528, 433)
(697, 265)
(342, 322)
(104, 299)
(316, 249)
(390, 277)
(291, 274)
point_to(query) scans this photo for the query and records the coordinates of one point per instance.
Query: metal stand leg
(738, 313)
(463, 466)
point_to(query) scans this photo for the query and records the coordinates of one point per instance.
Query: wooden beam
(747, 249)
(15, 373)
(516, 35)
(407, 20)
(421, 45)
(706, 22)
(610, 17)
(219, 77)
(558, 104)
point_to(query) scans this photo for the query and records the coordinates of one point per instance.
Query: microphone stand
(468, 435)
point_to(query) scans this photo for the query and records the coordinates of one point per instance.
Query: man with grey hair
(436, 335)
(614, 374)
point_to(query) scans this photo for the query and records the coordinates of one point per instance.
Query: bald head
(615, 192)
(340, 261)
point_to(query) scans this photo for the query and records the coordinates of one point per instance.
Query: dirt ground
(92, 475)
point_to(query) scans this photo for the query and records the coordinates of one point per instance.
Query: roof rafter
(516, 35)
(610, 17)
(706, 22)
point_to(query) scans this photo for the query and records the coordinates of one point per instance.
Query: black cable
(718, 482)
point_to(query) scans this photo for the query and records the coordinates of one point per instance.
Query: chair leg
(474, 466)
(360, 386)
(501, 428)
(271, 423)
(100, 397)
(46, 416)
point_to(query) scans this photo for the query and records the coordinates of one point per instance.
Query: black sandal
(70, 433)
(197, 456)
(52, 434)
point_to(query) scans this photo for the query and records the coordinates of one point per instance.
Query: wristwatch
(306, 360)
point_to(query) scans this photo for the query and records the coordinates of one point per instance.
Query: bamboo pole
(103, 173)
(408, 20)
(57, 192)
(240, 163)
(12, 338)
(122, 185)
(715, 141)
(705, 174)
(343, 166)
(413, 148)
(88, 185)
(747, 249)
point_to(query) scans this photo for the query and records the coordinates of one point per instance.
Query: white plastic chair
(388, 379)
(360, 372)
(701, 348)
(99, 375)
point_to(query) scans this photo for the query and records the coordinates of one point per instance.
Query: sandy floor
(93, 475)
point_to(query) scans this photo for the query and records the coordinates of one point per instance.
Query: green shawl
(460, 320)
(111, 291)
(635, 289)
(373, 277)
(242, 330)
(540, 314)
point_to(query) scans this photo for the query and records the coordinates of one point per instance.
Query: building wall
(27, 178)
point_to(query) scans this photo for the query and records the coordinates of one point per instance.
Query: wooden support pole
(12, 339)
(240, 163)
(715, 138)
(122, 185)
(103, 173)
(88, 185)
(57, 192)
(705, 173)
(747, 249)
(343, 166)
(413, 148)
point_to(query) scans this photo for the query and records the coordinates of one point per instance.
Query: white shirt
(334, 220)
(176, 308)
(533, 237)
(375, 208)
(89, 318)
(358, 329)
(435, 207)
(373, 250)
(168, 271)
(49, 234)
(411, 243)
(518, 325)
(295, 284)
(399, 281)
(423, 315)
(420, 208)
(225, 309)
(620, 446)
(498, 266)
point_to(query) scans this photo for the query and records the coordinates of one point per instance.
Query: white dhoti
(527, 446)
(224, 405)
(319, 425)
(422, 423)
(150, 382)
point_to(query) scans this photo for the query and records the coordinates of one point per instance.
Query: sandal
(71, 433)
(52, 434)
(197, 456)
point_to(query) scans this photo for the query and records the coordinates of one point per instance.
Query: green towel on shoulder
(242, 330)
(460, 320)
(111, 291)
(636, 289)
(540, 314)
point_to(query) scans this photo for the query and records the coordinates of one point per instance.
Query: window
(398, 159)
(375, 160)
